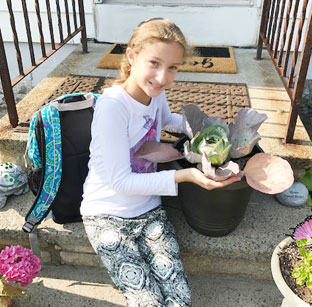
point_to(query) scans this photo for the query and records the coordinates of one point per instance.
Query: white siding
(20, 24)
(202, 25)
(204, 22)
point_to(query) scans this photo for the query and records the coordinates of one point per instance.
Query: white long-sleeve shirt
(118, 183)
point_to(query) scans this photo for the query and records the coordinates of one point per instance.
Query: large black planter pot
(217, 212)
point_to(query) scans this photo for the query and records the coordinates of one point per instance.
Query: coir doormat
(210, 59)
(217, 99)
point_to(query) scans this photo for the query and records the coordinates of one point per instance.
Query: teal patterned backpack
(57, 156)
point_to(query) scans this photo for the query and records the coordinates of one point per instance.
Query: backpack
(56, 157)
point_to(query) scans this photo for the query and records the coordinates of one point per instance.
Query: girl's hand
(196, 176)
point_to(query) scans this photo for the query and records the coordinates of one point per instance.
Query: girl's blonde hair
(147, 31)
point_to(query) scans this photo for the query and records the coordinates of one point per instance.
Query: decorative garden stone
(296, 196)
(13, 180)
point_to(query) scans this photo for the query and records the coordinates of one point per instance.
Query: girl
(121, 206)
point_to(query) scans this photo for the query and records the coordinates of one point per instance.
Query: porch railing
(281, 31)
(71, 28)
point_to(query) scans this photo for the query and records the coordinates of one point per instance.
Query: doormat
(217, 99)
(210, 59)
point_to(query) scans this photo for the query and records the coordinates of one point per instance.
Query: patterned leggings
(142, 258)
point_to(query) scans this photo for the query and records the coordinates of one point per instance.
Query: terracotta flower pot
(290, 298)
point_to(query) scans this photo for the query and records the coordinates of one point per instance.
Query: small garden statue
(13, 181)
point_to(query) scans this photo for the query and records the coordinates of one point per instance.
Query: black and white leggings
(142, 258)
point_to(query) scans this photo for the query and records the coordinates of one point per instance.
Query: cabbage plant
(238, 139)
(212, 142)
(216, 148)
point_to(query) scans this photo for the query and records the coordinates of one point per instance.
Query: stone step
(67, 285)
(245, 251)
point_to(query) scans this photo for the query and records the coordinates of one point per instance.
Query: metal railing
(282, 22)
(71, 27)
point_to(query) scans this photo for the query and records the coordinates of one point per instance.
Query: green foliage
(303, 242)
(213, 142)
(303, 272)
(310, 201)
(307, 181)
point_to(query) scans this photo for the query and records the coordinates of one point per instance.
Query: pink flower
(19, 264)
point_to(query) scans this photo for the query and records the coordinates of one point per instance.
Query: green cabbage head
(213, 143)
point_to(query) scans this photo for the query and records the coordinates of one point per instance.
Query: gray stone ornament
(13, 181)
(296, 196)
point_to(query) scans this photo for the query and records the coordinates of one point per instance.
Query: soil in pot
(289, 257)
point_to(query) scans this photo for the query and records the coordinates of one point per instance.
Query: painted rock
(296, 196)
(13, 180)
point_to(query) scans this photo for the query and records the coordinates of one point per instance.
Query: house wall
(222, 22)
(45, 68)
(204, 22)
(233, 23)
(20, 24)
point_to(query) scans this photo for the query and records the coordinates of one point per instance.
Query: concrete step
(245, 251)
(67, 285)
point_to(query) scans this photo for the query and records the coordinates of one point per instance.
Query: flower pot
(213, 213)
(217, 212)
(290, 298)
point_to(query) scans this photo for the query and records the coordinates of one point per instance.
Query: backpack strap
(32, 151)
(52, 162)
(73, 106)
(34, 241)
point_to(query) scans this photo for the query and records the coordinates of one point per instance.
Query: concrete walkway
(68, 285)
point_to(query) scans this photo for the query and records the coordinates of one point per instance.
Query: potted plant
(291, 266)
(18, 266)
(221, 150)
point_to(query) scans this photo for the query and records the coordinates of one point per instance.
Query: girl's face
(153, 69)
